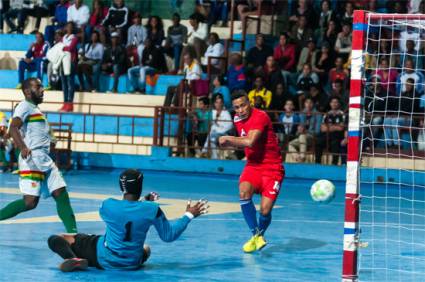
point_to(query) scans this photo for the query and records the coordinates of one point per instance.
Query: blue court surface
(305, 238)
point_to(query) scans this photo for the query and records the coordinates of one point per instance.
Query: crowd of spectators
(301, 76)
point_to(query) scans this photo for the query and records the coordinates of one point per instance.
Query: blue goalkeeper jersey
(127, 224)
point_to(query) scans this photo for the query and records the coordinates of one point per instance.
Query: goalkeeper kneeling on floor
(127, 223)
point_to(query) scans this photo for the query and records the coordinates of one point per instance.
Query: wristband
(189, 215)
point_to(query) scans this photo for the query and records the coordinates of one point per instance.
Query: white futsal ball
(322, 191)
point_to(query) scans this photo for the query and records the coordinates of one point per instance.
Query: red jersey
(266, 150)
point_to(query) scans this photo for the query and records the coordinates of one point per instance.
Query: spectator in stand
(287, 122)
(114, 60)
(260, 90)
(257, 55)
(272, 74)
(247, 8)
(399, 113)
(308, 128)
(34, 8)
(196, 37)
(221, 125)
(136, 35)
(155, 31)
(153, 61)
(99, 13)
(192, 71)
(322, 63)
(302, 8)
(285, 55)
(79, 14)
(176, 36)
(201, 119)
(331, 132)
(329, 36)
(58, 22)
(15, 12)
(57, 61)
(89, 63)
(70, 41)
(319, 98)
(326, 15)
(305, 80)
(236, 78)
(219, 11)
(375, 101)
(308, 55)
(117, 17)
(343, 41)
(338, 72)
(301, 33)
(279, 96)
(388, 76)
(220, 88)
(409, 71)
(338, 90)
(347, 14)
(397, 7)
(215, 49)
(413, 53)
(34, 60)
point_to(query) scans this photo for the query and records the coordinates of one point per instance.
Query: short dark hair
(26, 84)
(177, 15)
(222, 79)
(333, 98)
(216, 37)
(218, 96)
(204, 100)
(238, 94)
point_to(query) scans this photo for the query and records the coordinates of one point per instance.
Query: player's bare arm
(16, 135)
(241, 142)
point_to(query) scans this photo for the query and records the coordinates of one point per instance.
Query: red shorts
(266, 180)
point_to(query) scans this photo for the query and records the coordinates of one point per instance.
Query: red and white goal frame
(352, 192)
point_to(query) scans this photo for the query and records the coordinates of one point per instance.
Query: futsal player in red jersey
(263, 173)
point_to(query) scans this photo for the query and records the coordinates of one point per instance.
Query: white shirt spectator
(417, 77)
(413, 6)
(404, 36)
(136, 35)
(16, 4)
(78, 16)
(31, 4)
(94, 51)
(223, 123)
(343, 43)
(201, 32)
(192, 72)
(216, 50)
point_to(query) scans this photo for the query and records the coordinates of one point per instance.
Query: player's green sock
(65, 212)
(12, 209)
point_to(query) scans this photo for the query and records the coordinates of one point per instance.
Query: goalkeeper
(127, 223)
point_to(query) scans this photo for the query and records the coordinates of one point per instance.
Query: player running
(127, 223)
(263, 173)
(31, 134)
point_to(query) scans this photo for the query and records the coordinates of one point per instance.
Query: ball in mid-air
(322, 191)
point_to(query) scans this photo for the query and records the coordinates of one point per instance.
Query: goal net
(384, 232)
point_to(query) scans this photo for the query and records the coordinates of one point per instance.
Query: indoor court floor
(305, 238)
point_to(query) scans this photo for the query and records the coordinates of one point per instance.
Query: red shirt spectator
(338, 72)
(284, 53)
(98, 15)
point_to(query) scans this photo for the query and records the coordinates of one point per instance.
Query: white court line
(273, 220)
